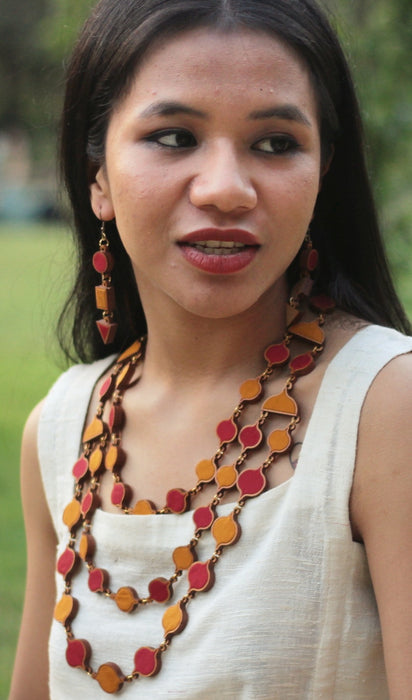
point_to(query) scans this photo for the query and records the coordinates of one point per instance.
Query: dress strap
(60, 429)
(331, 437)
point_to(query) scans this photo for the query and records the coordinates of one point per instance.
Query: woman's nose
(223, 182)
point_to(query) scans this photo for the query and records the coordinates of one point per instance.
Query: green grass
(36, 263)
(404, 287)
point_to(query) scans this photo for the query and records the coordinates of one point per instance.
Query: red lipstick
(219, 251)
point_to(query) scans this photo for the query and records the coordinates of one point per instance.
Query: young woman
(212, 151)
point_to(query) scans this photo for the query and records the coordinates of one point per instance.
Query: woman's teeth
(218, 247)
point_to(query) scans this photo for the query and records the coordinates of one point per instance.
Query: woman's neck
(182, 347)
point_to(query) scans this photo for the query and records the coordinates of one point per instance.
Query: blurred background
(35, 253)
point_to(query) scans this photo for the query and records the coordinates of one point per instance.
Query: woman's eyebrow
(286, 112)
(169, 108)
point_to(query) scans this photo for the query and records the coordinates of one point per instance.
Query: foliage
(20, 58)
(34, 38)
(377, 36)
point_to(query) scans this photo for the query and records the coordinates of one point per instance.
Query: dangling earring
(322, 304)
(103, 263)
(308, 262)
(309, 257)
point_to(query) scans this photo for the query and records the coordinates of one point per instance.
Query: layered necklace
(102, 452)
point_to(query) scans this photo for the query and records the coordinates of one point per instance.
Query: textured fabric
(292, 615)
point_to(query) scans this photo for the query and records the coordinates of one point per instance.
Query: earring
(308, 262)
(103, 263)
(321, 304)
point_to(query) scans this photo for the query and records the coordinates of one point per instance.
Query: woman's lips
(219, 251)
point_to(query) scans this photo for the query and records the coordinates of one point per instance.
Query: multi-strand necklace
(102, 452)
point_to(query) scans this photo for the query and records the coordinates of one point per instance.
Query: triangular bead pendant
(308, 330)
(94, 430)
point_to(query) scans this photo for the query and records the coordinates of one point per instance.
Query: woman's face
(212, 170)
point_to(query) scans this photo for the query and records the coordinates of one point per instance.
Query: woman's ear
(100, 197)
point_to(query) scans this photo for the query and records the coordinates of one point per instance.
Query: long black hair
(353, 269)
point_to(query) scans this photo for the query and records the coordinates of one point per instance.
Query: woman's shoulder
(388, 404)
(385, 438)
(78, 379)
(365, 370)
(353, 343)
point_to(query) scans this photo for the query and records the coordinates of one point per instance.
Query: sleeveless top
(292, 615)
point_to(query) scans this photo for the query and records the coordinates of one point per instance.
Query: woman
(210, 147)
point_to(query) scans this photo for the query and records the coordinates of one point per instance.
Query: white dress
(292, 615)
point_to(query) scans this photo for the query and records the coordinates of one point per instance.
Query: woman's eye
(277, 145)
(173, 139)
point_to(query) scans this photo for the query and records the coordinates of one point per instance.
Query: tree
(34, 38)
(377, 35)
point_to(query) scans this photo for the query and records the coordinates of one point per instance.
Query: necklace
(102, 452)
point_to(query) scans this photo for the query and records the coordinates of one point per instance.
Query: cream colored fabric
(292, 614)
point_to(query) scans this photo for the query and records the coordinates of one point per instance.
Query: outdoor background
(35, 254)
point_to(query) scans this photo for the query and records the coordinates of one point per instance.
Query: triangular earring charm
(107, 330)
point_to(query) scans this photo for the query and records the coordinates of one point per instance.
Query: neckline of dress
(275, 491)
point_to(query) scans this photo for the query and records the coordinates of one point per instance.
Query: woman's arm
(30, 675)
(382, 513)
